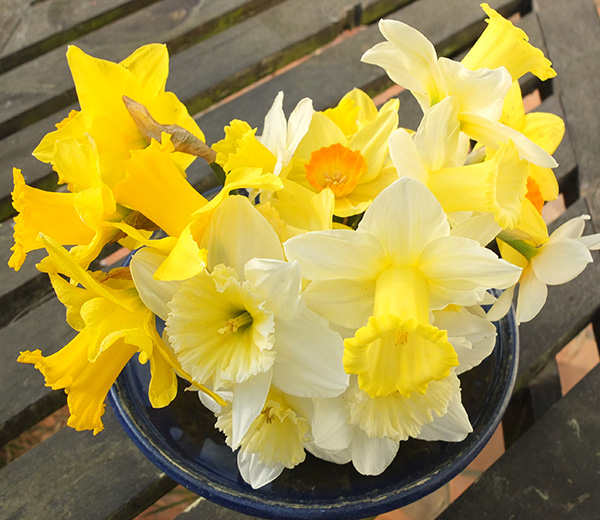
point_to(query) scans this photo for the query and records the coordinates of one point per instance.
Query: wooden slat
(99, 477)
(572, 35)
(203, 509)
(42, 26)
(43, 85)
(551, 472)
(25, 399)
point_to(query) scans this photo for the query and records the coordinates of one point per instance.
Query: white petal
(573, 228)
(405, 217)
(405, 157)
(346, 303)
(560, 260)
(255, 472)
(309, 357)
(481, 227)
(531, 298)
(155, 294)
(456, 266)
(492, 133)
(372, 456)
(591, 241)
(386, 56)
(502, 305)
(279, 282)
(437, 137)
(479, 333)
(249, 399)
(275, 126)
(237, 233)
(211, 404)
(453, 426)
(480, 91)
(330, 428)
(298, 126)
(336, 457)
(337, 253)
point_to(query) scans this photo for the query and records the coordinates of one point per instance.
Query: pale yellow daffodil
(552, 260)
(436, 156)
(274, 441)
(398, 265)
(410, 60)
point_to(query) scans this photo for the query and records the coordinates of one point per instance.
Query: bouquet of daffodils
(329, 295)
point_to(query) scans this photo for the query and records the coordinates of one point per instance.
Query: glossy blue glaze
(182, 441)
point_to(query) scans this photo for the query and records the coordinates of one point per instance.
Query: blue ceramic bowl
(182, 441)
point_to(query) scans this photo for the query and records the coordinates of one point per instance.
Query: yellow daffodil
(504, 45)
(273, 150)
(83, 218)
(155, 186)
(354, 169)
(113, 325)
(398, 265)
(100, 87)
(241, 323)
(355, 110)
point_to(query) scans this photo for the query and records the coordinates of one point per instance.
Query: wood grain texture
(550, 473)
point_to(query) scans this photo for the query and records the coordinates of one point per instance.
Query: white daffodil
(559, 259)
(274, 441)
(368, 430)
(410, 60)
(399, 264)
(241, 324)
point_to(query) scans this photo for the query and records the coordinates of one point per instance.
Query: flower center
(232, 325)
(335, 167)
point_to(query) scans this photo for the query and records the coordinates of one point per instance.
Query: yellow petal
(150, 65)
(544, 129)
(156, 187)
(504, 45)
(394, 355)
(50, 213)
(513, 111)
(86, 384)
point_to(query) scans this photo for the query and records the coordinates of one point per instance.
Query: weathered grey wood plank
(93, 477)
(551, 472)
(42, 26)
(203, 509)
(43, 85)
(25, 399)
(572, 34)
